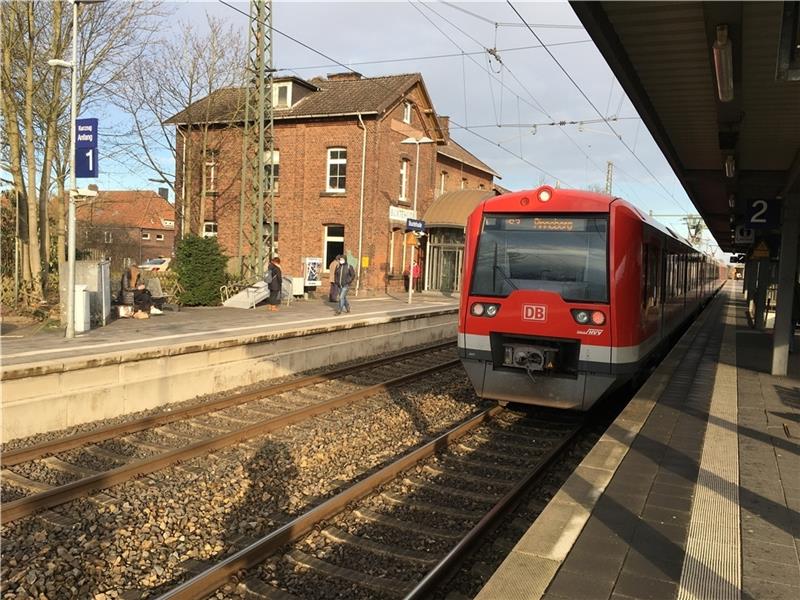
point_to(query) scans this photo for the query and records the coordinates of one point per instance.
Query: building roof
(128, 208)
(451, 209)
(334, 97)
(457, 152)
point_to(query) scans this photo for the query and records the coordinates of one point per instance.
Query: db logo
(534, 312)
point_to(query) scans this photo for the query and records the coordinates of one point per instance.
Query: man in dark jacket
(274, 283)
(343, 277)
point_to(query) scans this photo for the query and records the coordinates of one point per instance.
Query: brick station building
(344, 179)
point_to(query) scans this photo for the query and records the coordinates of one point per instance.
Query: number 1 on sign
(90, 156)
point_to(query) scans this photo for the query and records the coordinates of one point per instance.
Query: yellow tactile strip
(711, 566)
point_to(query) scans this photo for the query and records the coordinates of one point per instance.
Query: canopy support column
(787, 282)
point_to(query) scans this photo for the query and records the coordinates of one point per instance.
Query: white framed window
(337, 170)
(145, 236)
(209, 229)
(168, 222)
(210, 172)
(107, 237)
(276, 169)
(159, 237)
(406, 112)
(463, 183)
(404, 180)
(282, 95)
(333, 243)
(442, 182)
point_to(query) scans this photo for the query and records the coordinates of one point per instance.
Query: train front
(534, 322)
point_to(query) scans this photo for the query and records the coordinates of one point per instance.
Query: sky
(487, 99)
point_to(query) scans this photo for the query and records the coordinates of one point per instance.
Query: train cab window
(558, 253)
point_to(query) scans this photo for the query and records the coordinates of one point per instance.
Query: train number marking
(534, 312)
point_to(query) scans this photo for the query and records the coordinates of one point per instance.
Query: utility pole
(609, 176)
(258, 143)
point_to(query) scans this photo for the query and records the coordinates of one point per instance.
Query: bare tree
(35, 99)
(177, 73)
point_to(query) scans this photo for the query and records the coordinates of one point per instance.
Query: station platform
(692, 493)
(49, 383)
(204, 324)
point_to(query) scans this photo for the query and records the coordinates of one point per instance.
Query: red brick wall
(303, 207)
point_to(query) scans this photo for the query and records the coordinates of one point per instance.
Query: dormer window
(282, 95)
(407, 112)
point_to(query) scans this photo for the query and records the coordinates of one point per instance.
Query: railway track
(52, 473)
(403, 529)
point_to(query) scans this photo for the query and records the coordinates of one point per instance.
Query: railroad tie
(384, 585)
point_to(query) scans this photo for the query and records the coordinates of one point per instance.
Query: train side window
(650, 262)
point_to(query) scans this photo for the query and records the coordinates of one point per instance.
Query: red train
(568, 294)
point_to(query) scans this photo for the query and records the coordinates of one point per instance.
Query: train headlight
(491, 310)
(545, 194)
(581, 316)
(477, 309)
(598, 318)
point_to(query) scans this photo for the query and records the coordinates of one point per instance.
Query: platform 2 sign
(86, 156)
(763, 214)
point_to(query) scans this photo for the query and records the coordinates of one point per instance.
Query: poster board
(312, 271)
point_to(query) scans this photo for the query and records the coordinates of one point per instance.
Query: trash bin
(83, 317)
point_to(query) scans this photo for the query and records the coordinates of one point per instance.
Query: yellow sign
(365, 262)
(761, 250)
(411, 239)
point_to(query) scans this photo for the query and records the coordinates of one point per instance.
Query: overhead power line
(562, 123)
(605, 120)
(341, 64)
(522, 85)
(501, 24)
(383, 61)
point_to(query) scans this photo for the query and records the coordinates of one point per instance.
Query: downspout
(361, 200)
(183, 185)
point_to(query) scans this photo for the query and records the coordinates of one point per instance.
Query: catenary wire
(430, 56)
(580, 90)
(339, 63)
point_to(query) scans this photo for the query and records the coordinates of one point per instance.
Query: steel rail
(15, 457)
(453, 559)
(87, 485)
(204, 584)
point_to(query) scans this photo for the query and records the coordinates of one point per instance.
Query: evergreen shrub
(200, 266)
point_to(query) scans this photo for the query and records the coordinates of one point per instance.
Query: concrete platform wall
(56, 395)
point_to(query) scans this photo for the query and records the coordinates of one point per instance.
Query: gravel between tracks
(205, 507)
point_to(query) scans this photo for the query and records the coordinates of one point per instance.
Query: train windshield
(562, 254)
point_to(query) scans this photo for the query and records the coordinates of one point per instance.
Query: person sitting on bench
(133, 292)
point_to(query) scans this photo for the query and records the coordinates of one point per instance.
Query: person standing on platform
(274, 281)
(334, 293)
(343, 277)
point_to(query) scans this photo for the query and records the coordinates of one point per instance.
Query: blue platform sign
(415, 225)
(86, 156)
(763, 214)
(85, 162)
(86, 133)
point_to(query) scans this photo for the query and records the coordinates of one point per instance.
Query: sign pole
(70, 333)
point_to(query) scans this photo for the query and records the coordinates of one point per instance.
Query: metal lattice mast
(609, 176)
(257, 142)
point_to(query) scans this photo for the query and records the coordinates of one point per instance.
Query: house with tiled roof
(343, 171)
(126, 227)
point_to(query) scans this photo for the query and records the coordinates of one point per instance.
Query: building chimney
(346, 76)
(164, 193)
(444, 124)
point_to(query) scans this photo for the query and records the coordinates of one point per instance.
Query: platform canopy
(661, 53)
(451, 209)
